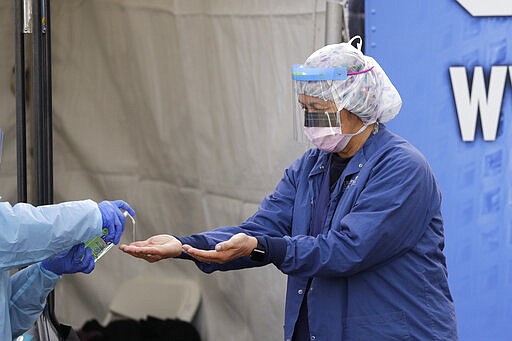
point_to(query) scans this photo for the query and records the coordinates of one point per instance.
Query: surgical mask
(330, 139)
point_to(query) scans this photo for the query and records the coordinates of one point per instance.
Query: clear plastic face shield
(334, 78)
(315, 109)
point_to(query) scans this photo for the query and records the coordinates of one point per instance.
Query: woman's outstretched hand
(239, 245)
(155, 248)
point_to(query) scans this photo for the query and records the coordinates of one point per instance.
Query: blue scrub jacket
(29, 235)
(378, 271)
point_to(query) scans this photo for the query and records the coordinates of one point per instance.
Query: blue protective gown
(378, 271)
(29, 235)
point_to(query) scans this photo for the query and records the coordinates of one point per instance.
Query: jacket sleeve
(29, 289)
(31, 234)
(387, 220)
(273, 218)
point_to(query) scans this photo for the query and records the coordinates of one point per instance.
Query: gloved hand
(72, 261)
(113, 218)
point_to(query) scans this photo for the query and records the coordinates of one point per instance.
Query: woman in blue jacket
(355, 222)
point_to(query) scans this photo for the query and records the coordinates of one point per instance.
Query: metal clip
(27, 16)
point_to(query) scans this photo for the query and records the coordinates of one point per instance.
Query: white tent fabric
(183, 109)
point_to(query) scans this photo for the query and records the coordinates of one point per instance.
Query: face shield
(314, 108)
(337, 77)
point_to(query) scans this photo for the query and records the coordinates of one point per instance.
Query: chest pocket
(345, 199)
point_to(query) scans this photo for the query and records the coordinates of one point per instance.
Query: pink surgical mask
(330, 139)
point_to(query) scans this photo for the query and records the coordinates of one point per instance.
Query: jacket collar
(321, 165)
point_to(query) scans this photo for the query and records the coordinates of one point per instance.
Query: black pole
(21, 125)
(49, 107)
(42, 98)
(37, 101)
(48, 130)
(42, 111)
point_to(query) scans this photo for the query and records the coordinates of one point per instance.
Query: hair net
(367, 92)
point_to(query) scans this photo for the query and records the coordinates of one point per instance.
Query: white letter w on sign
(469, 103)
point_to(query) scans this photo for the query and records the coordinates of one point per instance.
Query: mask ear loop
(339, 105)
(330, 123)
(333, 132)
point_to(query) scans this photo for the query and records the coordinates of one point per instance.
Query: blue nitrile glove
(113, 218)
(72, 261)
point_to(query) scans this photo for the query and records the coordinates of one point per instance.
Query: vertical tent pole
(33, 16)
(37, 103)
(47, 129)
(21, 126)
(42, 107)
(49, 107)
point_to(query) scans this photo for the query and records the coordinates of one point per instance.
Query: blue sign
(451, 61)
